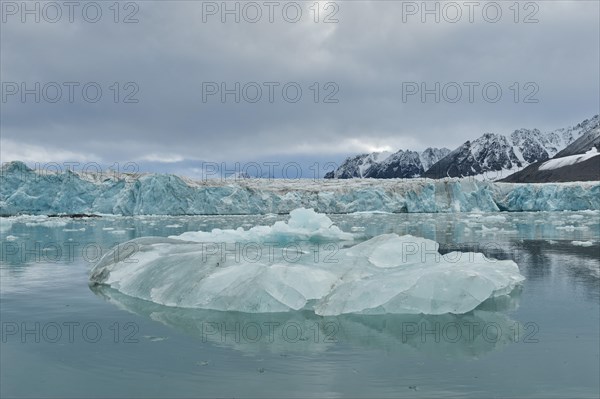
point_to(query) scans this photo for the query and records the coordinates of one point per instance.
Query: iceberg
(387, 274)
(26, 191)
(304, 225)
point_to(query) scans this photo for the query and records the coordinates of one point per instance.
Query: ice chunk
(582, 243)
(48, 223)
(416, 279)
(303, 225)
(386, 274)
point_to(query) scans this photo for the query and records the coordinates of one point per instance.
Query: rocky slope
(577, 162)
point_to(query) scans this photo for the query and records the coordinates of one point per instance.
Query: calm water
(62, 339)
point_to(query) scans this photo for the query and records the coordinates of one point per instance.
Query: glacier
(387, 274)
(27, 191)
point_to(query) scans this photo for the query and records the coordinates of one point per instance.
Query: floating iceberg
(26, 191)
(304, 225)
(386, 274)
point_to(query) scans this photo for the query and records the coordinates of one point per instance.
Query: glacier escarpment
(386, 274)
(26, 191)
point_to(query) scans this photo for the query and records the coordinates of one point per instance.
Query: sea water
(63, 338)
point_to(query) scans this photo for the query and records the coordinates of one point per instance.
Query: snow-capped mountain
(385, 165)
(432, 155)
(579, 161)
(489, 153)
(498, 153)
(583, 143)
(357, 165)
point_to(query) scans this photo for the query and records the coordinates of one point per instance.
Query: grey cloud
(368, 54)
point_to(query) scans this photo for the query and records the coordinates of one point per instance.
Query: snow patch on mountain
(570, 160)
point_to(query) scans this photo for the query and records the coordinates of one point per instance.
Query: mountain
(579, 161)
(386, 165)
(357, 166)
(432, 155)
(583, 143)
(489, 152)
(502, 155)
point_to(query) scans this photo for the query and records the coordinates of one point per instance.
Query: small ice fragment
(582, 243)
(152, 338)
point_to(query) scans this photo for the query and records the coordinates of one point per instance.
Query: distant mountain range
(497, 153)
(387, 165)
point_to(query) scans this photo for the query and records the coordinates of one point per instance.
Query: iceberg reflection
(473, 334)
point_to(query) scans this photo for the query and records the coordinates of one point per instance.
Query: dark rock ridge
(584, 171)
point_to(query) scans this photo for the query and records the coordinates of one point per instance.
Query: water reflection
(476, 333)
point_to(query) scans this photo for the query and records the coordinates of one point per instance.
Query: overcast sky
(368, 63)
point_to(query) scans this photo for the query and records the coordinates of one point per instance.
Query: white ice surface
(303, 225)
(386, 274)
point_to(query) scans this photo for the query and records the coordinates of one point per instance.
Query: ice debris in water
(385, 274)
(582, 243)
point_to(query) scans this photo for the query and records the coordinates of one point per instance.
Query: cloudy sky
(361, 67)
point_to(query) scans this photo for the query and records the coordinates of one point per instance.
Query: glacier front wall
(25, 191)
